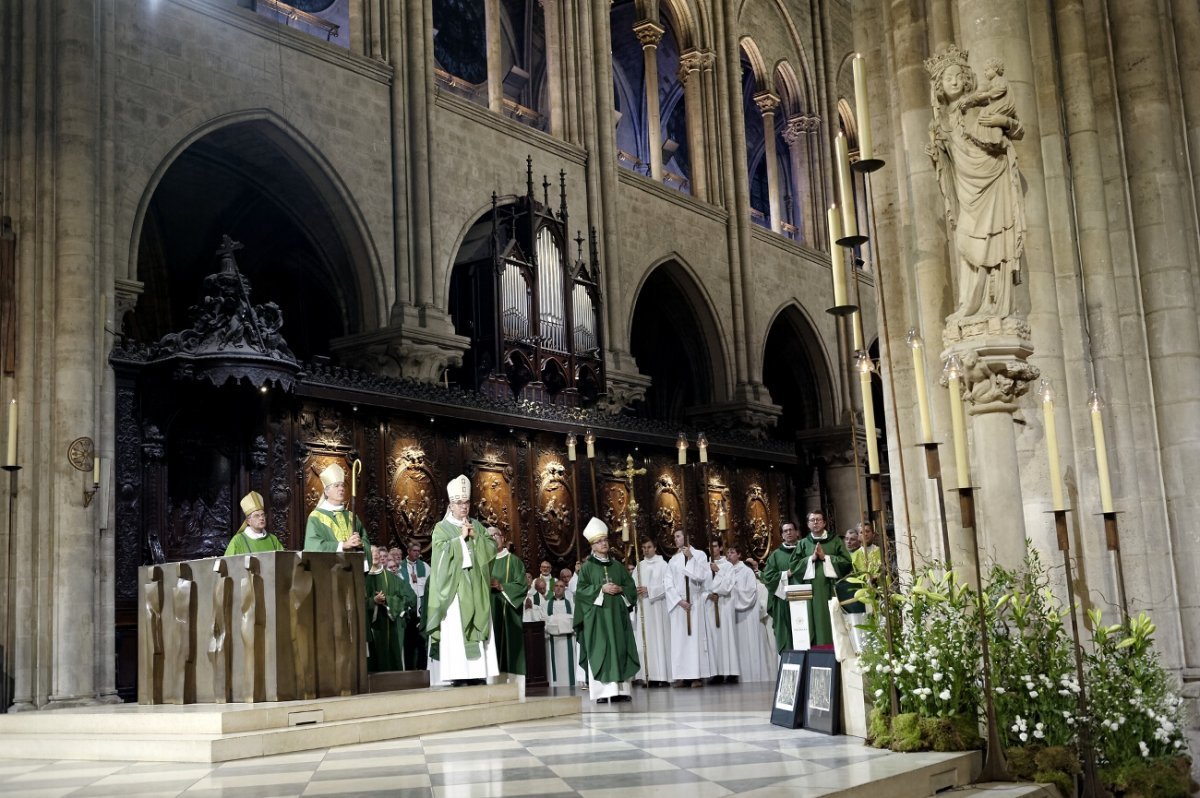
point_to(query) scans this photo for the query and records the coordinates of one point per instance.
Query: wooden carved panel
(717, 499)
(313, 466)
(555, 506)
(492, 495)
(614, 499)
(668, 510)
(759, 522)
(414, 491)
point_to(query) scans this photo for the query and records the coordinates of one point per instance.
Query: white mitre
(595, 530)
(459, 489)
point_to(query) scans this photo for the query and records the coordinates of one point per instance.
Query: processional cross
(631, 508)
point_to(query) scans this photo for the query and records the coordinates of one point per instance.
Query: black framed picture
(822, 693)
(788, 703)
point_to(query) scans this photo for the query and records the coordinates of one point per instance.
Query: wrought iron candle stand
(1112, 538)
(1091, 782)
(995, 765)
(933, 470)
(876, 488)
(6, 678)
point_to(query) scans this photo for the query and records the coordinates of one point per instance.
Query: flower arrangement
(1136, 715)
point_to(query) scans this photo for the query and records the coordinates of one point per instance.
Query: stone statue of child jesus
(996, 99)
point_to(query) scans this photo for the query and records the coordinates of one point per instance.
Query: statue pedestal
(994, 354)
(273, 626)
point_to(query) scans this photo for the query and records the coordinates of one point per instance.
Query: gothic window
(325, 19)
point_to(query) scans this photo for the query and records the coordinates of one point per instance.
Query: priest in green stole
(784, 566)
(389, 603)
(826, 561)
(508, 605)
(604, 597)
(331, 526)
(458, 602)
(252, 536)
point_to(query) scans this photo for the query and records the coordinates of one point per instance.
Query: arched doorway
(675, 341)
(794, 373)
(194, 435)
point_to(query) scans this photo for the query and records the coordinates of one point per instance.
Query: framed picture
(788, 703)
(822, 693)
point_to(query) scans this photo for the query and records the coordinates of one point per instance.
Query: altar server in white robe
(718, 618)
(560, 638)
(750, 626)
(686, 584)
(654, 637)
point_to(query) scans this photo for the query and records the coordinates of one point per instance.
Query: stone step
(65, 742)
(234, 718)
(1004, 790)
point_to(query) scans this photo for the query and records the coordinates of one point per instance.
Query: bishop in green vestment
(331, 526)
(604, 597)
(784, 560)
(458, 602)
(252, 536)
(508, 606)
(390, 601)
(826, 561)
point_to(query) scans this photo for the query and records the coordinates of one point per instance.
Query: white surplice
(689, 652)
(750, 626)
(722, 638)
(560, 643)
(652, 610)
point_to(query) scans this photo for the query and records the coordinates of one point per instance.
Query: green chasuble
(241, 543)
(327, 528)
(782, 560)
(604, 631)
(820, 631)
(448, 578)
(508, 607)
(385, 622)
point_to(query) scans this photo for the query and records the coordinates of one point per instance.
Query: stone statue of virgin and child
(971, 146)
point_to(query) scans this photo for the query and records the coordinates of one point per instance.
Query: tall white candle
(1056, 486)
(864, 382)
(918, 352)
(571, 447)
(958, 425)
(836, 264)
(11, 459)
(866, 147)
(1106, 500)
(590, 439)
(845, 189)
(682, 445)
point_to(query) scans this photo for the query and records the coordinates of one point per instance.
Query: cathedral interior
(526, 240)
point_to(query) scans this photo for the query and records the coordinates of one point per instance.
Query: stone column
(1107, 350)
(71, 269)
(767, 104)
(717, 190)
(555, 66)
(1156, 203)
(806, 187)
(691, 80)
(1185, 16)
(650, 34)
(495, 54)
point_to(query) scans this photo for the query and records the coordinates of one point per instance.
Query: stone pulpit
(272, 626)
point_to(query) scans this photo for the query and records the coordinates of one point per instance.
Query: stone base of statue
(272, 626)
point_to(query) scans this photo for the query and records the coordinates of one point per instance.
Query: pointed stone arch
(798, 372)
(676, 339)
(254, 176)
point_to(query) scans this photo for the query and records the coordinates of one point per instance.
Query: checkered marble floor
(710, 742)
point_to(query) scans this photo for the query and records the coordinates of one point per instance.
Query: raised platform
(224, 732)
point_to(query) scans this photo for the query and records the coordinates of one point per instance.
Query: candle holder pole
(933, 470)
(6, 678)
(1091, 782)
(995, 766)
(873, 480)
(1112, 538)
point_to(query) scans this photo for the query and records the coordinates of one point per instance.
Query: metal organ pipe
(552, 313)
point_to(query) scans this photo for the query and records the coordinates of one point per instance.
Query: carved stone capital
(649, 33)
(996, 373)
(417, 345)
(625, 388)
(833, 446)
(800, 126)
(125, 297)
(767, 102)
(753, 417)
